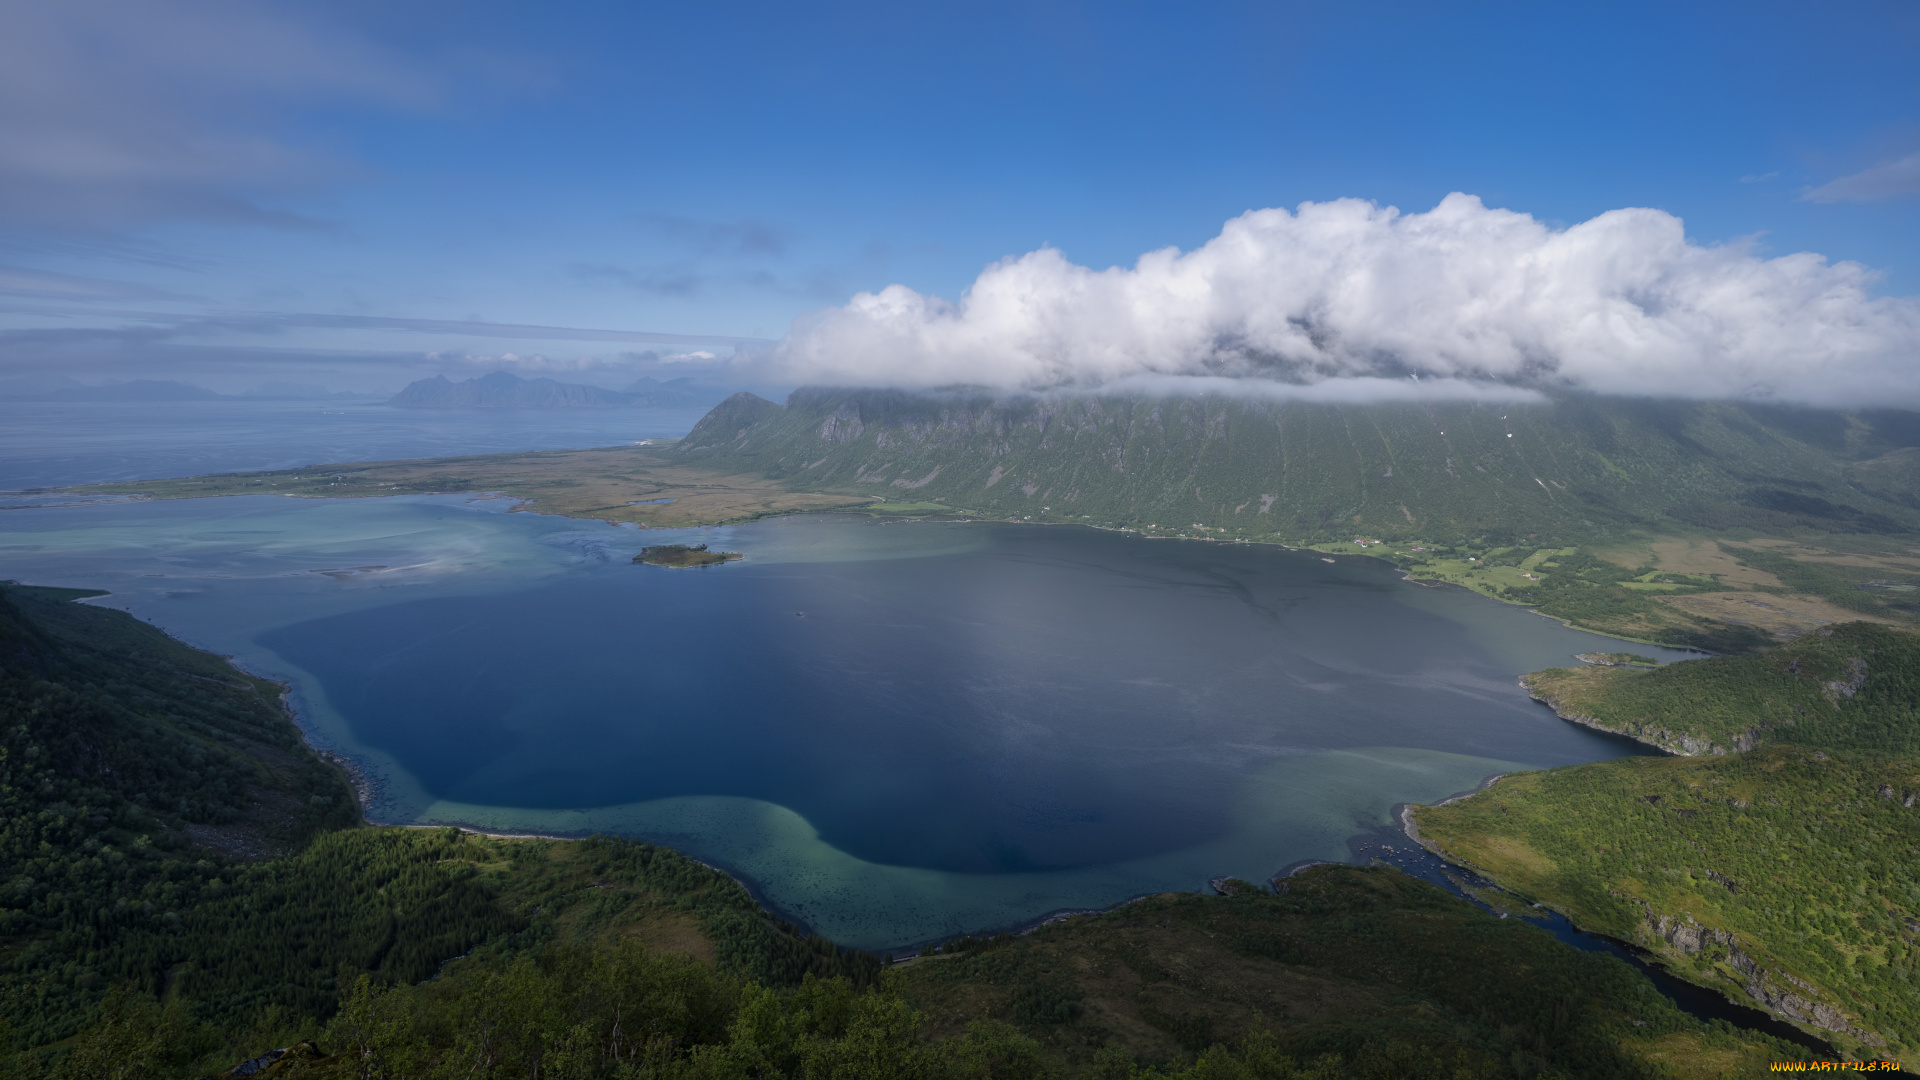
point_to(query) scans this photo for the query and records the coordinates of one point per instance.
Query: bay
(894, 731)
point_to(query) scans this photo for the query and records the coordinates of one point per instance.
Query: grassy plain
(1697, 591)
(1781, 615)
(616, 483)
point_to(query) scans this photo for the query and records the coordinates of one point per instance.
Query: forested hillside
(1571, 470)
(1778, 863)
(1851, 687)
(1784, 877)
(1349, 973)
(166, 830)
(130, 765)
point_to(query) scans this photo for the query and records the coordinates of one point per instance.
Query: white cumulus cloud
(1401, 304)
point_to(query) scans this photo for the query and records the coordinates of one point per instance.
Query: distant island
(505, 390)
(684, 555)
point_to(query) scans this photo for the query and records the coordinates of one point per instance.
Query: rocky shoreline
(1658, 738)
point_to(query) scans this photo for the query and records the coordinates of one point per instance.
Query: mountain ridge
(1573, 468)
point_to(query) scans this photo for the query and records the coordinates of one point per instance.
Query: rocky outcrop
(1849, 686)
(843, 426)
(1782, 994)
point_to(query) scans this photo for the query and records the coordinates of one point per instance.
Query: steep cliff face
(1570, 468)
(1780, 992)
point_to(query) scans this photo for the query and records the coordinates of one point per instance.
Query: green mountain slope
(1392, 974)
(1573, 469)
(1351, 972)
(163, 827)
(1784, 876)
(128, 764)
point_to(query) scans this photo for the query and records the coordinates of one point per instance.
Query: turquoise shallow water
(893, 731)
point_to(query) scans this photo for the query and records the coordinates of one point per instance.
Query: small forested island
(190, 892)
(684, 555)
(1776, 858)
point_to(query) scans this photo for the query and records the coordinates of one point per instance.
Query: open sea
(57, 443)
(892, 731)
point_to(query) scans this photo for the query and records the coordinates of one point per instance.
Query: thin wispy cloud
(1897, 179)
(1349, 290)
(174, 324)
(659, 281)
(505, 330)
(44, 285)
(744, 237)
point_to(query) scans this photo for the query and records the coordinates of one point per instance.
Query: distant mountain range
(1572, 470)
(132, 390)
(504, 390)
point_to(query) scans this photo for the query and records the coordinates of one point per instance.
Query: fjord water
(893, 731)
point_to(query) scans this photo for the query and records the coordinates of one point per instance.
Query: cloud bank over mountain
(1460, 299)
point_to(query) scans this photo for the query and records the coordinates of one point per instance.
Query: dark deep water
(1056, 698)
(895, 731)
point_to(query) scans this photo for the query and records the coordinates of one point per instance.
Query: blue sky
(181, 178)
